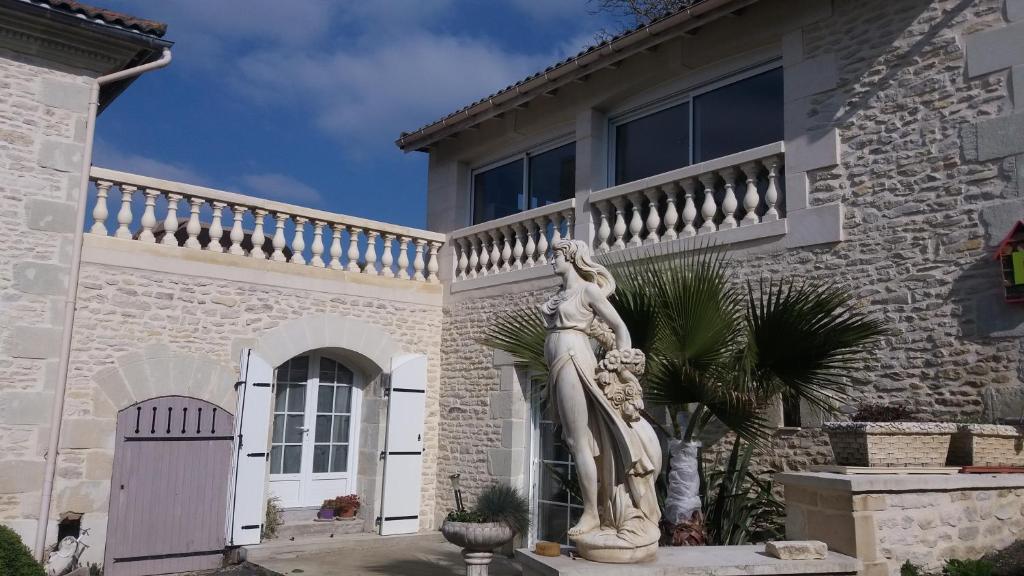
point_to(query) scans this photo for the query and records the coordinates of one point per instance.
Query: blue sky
(301, 100)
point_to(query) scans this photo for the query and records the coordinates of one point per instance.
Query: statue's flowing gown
(629, 455)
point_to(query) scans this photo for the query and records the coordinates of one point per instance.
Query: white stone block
(797, 550)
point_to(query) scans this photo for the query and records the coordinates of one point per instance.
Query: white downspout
(57, 412)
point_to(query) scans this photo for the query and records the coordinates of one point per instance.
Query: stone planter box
(987, 445)
(890, 444)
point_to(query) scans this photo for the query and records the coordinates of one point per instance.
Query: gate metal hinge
(381, 455)
(376, 521)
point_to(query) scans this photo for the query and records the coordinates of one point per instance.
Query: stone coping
(692, 561)
(900, 482)
(892, 427)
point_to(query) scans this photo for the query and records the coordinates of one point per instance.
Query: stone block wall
(886, 520)
(140, 334)
(43, 110)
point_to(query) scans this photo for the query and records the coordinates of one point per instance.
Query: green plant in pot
(500, 513)
(346, 506)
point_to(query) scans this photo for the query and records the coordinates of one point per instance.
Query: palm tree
(719, 350)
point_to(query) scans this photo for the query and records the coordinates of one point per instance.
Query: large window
(700, 126)
(529, 181)
(557, 496)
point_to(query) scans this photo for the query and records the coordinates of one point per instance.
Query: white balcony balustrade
(517, 242)
(193, 218)
(734, 191)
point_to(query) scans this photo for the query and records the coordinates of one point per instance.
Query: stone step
(314, 529)
(278, 548)
(289, 515)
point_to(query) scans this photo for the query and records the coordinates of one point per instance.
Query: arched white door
(314, 441)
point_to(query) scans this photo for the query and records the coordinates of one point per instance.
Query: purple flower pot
(325, 514)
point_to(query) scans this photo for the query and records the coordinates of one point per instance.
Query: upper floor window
(531, 180)
(702, 125)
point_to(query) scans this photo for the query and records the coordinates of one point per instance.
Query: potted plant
(992, 445)
(326, 510)
(346, 506)
(501, 512)
(886, 435)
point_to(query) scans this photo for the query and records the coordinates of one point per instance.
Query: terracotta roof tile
(141, 25)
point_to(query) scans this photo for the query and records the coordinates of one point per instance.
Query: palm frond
(520, 333)
(805, 339)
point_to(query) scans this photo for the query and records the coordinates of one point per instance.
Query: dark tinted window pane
(275, 460)
(552, 522)
(292, 459)
(321, 456)
(343, 399)
(739, 116)
(325, 399)
(553, 175)
(323, 428)
(297, 398)
(497, 192)
(653, 144)
(339, 458)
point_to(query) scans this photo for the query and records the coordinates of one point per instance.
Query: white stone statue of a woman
(598, 404)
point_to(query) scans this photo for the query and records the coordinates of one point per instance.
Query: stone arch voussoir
(301, 335)
(160, 370)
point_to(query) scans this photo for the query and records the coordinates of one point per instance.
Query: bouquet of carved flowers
(618, 376)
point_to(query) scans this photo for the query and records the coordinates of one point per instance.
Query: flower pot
(346, 513)
(325, 514)
(477, 536)
(987, 445)
(890, 444)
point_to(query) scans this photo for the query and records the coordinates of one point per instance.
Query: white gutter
(57, 412)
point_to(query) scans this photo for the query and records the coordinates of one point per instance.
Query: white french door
(314, 440)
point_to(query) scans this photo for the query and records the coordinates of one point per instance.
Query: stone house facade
(875, 144)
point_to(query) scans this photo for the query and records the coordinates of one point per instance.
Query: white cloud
(281, 187)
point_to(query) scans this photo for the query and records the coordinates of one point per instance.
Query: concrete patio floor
(421, 555)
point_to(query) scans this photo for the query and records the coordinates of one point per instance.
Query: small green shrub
(873, 412)
(967, 568)
(15, 558)
(464, 516)
(503, 503)
(909, 569)
(273, 519)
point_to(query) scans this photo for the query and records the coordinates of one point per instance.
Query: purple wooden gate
(168, 493)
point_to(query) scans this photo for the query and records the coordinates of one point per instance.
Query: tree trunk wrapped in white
(683, 497)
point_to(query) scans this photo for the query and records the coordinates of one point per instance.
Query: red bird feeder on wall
(1010, 255)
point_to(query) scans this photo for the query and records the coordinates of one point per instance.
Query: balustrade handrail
(691, 171)
(517, 218)
(271, 206)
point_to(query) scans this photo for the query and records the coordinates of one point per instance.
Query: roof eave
(572, 70)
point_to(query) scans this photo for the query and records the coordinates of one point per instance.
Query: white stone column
(542, 240)
(671, 214)
(729, 203)
(278, 239)
(653, 219)
(604, 231)
(371, 252)
(237, 234)
(298, 241)
(619, 229)
(485, 254)
(433, 265)
(99, 211)
(258, 236)
(317, 249)
(403, 257)
(387, 260)
(216, 227)
(194, 227)
(417, 263)
(708, 209)
(750, 197)
(335, 255)
(148, 221)
(771, 195)
(474, 258)
(353, 249)
(124, 215)
(689, 209)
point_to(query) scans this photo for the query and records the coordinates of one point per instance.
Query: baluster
(750, 198)
(636, 223)
(318, 244)
(217, 227)
(506, 249)
(403, 257)
(237, 234)
(708, 208)
(335, 256)
(542, 240)
(149, 216)
(689, 210)
(99, 211)
(495, 252)
(474, 257)
(729, 203)
(485, 254)
(653, 218)
(371, 252)
(771, 195)
(517, 248)
(531, 245)
(299, 241)
(124, 215)
(417, 263)
(604, 231)
(353, 249)
(433, 266)
(278, 240)
(556, 229)
(570, 223)
(671, 214)
(619, 229)
(463, 260)
(387, 259)
(194, 227)
(258, 236)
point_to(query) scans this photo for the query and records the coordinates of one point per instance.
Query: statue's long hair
(578, 253)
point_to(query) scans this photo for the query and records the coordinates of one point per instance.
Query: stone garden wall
(887, 520)
(929, 178)
(141, 333)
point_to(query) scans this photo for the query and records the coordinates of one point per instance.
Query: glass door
(555, 489)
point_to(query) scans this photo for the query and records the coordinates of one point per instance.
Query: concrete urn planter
(992, 445)
(477, 540)
(890, 444)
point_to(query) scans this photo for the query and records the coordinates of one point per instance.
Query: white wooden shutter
(249, 462)
(403, 445)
